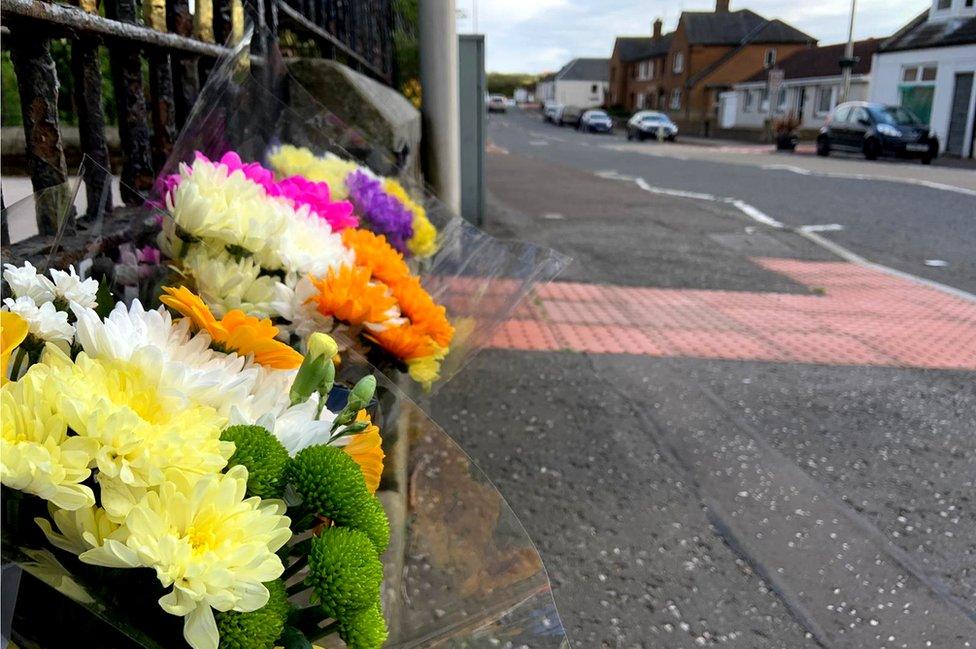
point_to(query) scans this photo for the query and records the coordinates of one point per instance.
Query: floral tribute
(384, 205)
(250, 243)
(194, 451)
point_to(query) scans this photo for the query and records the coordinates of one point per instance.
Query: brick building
(684, 72)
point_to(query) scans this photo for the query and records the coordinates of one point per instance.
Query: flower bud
(320, 344)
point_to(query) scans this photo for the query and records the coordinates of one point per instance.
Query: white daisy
(307, 244)
(24, 281)
(226, 284)
(74, 289)
(44, 322)
(297, 305)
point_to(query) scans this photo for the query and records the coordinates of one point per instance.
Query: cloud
(542, 35)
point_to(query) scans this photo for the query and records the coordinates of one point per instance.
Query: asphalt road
(898, 224)
(682, 502)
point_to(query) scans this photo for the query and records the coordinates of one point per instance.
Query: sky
(541, 35)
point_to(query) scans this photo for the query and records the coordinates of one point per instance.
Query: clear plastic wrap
(479, 279)
(460, 571)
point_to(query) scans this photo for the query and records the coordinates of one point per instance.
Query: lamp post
(849, 61)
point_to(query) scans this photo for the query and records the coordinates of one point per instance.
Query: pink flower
(317, 196)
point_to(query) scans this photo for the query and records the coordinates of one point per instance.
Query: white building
(928, 67)
(581, 82)
(812, 86)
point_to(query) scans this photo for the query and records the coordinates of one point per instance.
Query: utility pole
(440, 112)
(848, 62)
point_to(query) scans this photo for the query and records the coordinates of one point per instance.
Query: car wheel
(926, 160)
(640, 136)
(823, 147)
(872, 149)
(630, 136)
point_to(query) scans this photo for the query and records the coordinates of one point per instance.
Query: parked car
(877, 130)
(550, 112)
(646, 124)
(596, 121)
(570, 115)
(497, 104)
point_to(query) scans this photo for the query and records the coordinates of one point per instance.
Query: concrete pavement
(720, 433)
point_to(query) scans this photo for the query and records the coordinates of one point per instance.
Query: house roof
(585, 70)
(638, 48)
(823, 61)
(920, 34)
(732, 27)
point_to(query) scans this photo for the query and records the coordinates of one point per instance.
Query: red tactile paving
(858, 316)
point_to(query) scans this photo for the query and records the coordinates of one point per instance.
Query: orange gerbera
(365, 448)
(374, 252)
(13, 331)
(348, 295)
(236, 331)
(404, 342)
(425, 314)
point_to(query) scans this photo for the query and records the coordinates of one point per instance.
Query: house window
(945, 4)
(764, 100)
(679, 63)
(593, 89)
(640, 100)
(825, 99)
(769, 59)
(781, 100)
(750, 101)
(917, 90)
(676, 99)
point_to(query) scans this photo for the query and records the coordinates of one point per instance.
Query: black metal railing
(179, 48)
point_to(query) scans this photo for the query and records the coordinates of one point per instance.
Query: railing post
(160, 87)
(37, 81)
(137, 172)
(87, 72)
(186, 75)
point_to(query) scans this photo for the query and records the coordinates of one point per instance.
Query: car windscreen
(894, 115)
(597, 114)
(654, 118)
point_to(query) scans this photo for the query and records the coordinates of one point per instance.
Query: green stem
(15, 371)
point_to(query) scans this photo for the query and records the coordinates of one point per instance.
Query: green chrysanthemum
(372, 521)
(330, 483)
(263, 455)
(258, 629)
(365, 629)
(344, 571)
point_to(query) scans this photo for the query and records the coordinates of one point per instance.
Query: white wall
(887, 75)
(811, 117)
(580, 93)
(545, 91)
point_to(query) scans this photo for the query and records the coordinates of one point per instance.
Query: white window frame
(641, 97)
(783, 100)
(832, 102)
(748, 103)
(675, 103)
(919, 69)
(678, 64)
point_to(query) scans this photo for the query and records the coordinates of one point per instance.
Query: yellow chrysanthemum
(288, 160)
(79, 530)
(36, 453)
(213, 546)
(365, 448)
(13, 330)
(423, 243)
(143, 426)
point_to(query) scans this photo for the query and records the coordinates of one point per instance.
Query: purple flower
(383, 213)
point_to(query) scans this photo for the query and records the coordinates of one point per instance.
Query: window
(860, 116)
(640, 100)
(764, 100)
(676, 99)
(679, 63)
(593, 89)
(781, 100)
(917, 90)
(825, 99)
(769, 59)
(842, 114)
(944, 4)
(749, 102)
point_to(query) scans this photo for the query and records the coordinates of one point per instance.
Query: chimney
(721, 6)
(658, 24)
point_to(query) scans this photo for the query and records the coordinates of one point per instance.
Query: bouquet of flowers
(198, 447)
(287, 249)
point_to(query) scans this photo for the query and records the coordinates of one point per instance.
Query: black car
(877, 130)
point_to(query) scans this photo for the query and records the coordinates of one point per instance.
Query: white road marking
(553, 216)
(891, 179)
(538, 143)
(826, 227)
(790, 168)
(810, 232)
(936, 263)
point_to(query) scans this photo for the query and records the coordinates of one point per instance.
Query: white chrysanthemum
(223, 207)
(45, 321)
(307, 244)
(74, 289)
(297, 305)
(190, 366)
(226, 284)
(24, 281)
